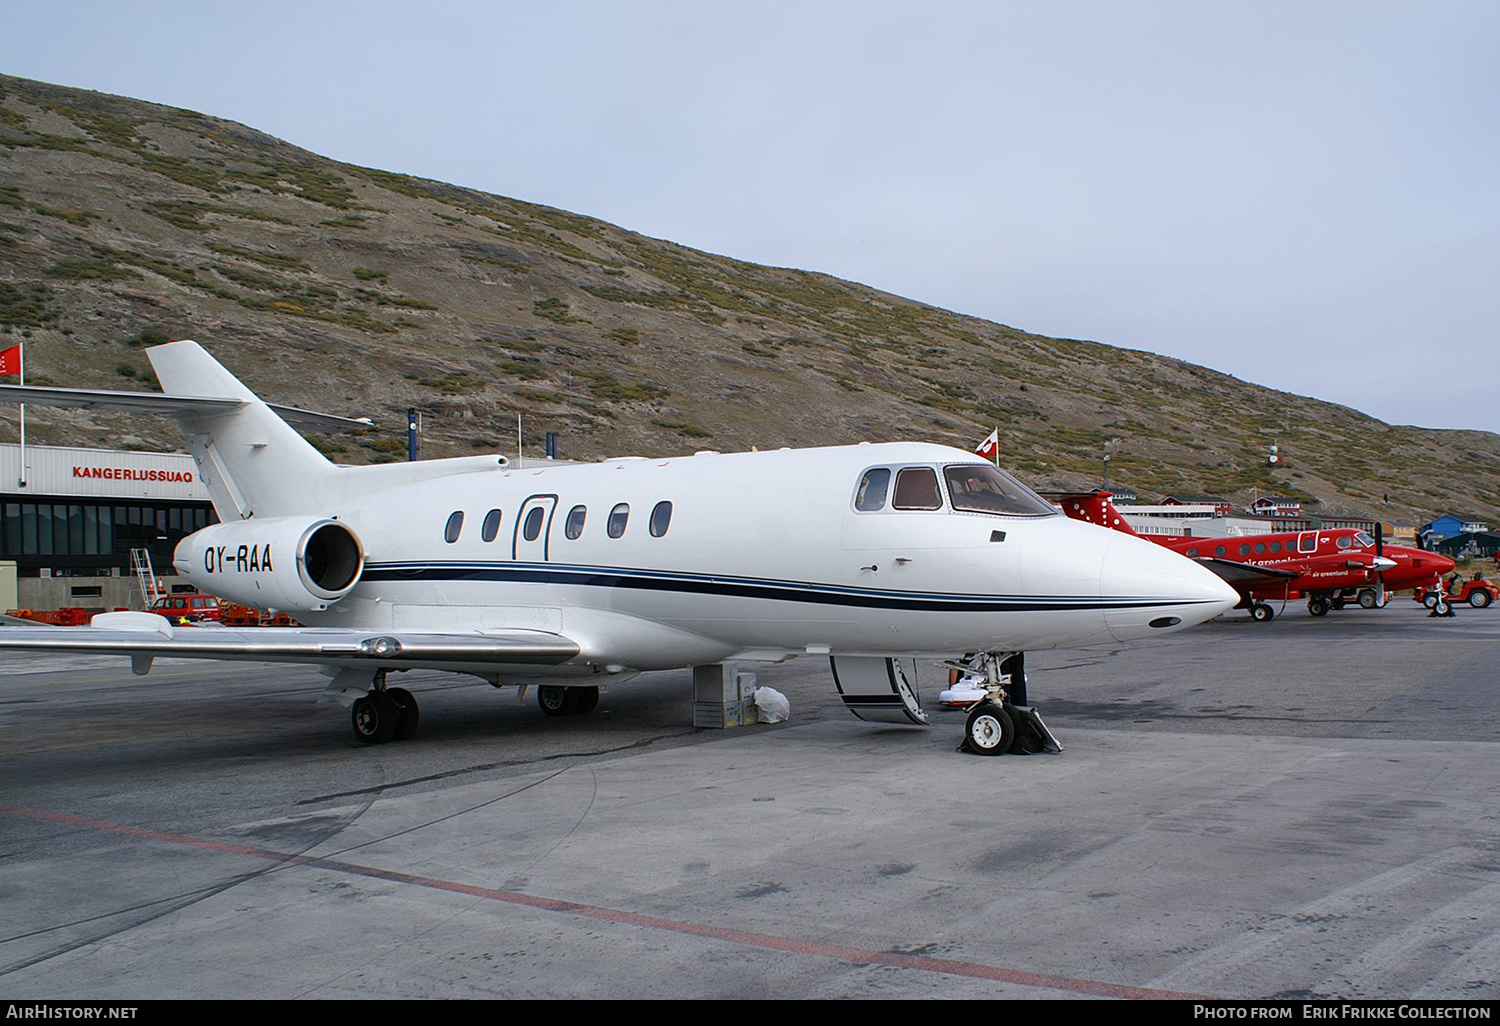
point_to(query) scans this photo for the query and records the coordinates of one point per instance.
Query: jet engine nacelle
(290, 564)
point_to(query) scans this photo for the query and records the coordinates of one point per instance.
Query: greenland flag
(10, 362)
(990, 447)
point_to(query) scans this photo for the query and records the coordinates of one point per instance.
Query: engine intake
(289, 564)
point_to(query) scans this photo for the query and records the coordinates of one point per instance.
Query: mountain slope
(360, 291)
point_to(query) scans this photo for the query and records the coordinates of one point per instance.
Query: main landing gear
(385, 714)
(996, 724)
(561, 701)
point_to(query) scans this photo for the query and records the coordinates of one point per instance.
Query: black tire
(1368, 599)
(375, 718)
(1262, 612)
(556, 700)
(1317, 606)
(408, 715)
(587, 698)
(989, 730)
(1479, 598)
(1430, 600)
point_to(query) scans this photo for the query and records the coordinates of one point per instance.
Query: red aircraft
(1329, 568)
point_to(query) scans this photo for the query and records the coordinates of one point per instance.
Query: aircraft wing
(146, 636)
(1243, 576)
(170, 405)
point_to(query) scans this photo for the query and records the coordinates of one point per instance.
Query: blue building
(1446, 526)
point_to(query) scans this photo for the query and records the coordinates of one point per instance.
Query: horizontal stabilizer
(169, 405)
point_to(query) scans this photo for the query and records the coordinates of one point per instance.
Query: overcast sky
(1303, 194)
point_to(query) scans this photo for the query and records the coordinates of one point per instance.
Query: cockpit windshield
(982, 488)
(1364, 539)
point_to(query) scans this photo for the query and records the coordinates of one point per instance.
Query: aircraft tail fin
(1094, 508)
(251, 461)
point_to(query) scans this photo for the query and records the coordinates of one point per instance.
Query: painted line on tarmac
(743, 938)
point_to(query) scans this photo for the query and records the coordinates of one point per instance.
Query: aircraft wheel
(407, 713)
(1368, 599)
(375, 717)
(1262, 612)
(556, 700)
(1430, 600)
(1317, 606)
(1479, 599)
(587, 698)
(990, 730)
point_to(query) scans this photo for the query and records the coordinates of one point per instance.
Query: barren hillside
(359, 291)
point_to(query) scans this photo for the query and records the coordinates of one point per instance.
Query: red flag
(10, 361)
(990, 447)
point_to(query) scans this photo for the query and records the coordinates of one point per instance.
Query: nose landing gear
(1002, 722)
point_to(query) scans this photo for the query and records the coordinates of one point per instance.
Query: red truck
(191, 608)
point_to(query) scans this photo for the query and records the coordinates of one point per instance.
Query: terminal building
(74, 524)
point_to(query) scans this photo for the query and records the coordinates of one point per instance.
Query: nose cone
(1417, 566)
(1153, 590)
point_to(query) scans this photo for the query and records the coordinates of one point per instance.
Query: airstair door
(875, 689)
(533, 529)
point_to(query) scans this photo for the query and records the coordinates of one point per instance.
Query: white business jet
(568, 577)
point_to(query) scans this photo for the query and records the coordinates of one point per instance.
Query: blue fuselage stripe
(740, 587)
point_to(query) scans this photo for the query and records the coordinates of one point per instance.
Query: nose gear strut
(1002, 721)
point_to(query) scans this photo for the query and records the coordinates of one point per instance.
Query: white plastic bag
(773, 705)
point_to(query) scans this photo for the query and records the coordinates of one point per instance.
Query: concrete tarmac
(1304, 808)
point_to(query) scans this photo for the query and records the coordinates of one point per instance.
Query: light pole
(1106, 472)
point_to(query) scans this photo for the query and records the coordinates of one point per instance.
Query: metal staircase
(140, 565)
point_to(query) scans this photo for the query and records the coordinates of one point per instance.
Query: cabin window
(982, 488)
(1276, 546)
(661, 519)
(1260, 548)
(574, 526)
(491, 525)
(1244, 549)
(455, 526)
(1344, 541)
(872, 489)
(917, 488)
(532, 528)
(1219, 550)
(1192, 553)
(618, 517)
(1307, 542)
